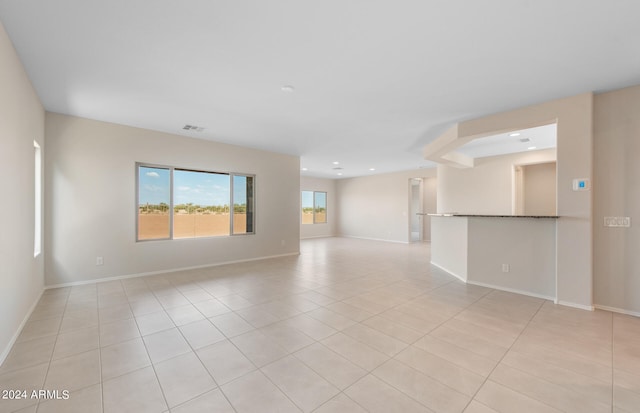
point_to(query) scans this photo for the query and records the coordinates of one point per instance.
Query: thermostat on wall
(581, 184)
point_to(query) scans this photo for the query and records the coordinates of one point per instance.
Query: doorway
(416, 195)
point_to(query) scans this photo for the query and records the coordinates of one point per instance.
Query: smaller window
(314, 207)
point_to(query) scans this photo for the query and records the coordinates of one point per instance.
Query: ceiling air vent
(523, 140)
(338, 168)
(193, 128)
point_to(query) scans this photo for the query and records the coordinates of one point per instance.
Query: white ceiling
(541, 137)
(375, 80)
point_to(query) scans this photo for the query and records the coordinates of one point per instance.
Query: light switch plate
(617, 222)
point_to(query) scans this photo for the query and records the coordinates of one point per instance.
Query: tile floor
(348, 326)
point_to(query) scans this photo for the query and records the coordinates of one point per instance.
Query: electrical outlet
(99, 261)
(505, 268)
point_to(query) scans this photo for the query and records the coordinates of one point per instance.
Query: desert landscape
(156, 225)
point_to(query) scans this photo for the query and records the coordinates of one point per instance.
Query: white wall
(527, 245)
(486, 188)
(377, 206)
(323, 185)
(539, 189)
(90, 168)
(21, 122)
(616, 186)
(574, 119)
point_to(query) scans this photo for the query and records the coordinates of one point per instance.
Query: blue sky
(199, 188)
(307, 199)
(154, 185)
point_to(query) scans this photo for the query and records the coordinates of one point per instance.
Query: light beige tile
(256, 317)
(310, 326)
(39, 328)
(258, 348)
(76, 320)
(118, 331)
(154, 322)
(625, 399)
(558, 397)
(231, 324)
(336, 369)
(340, 404)
(477, 407)
(358, 353)
(201, 333)
(76, 341)
(184, 314)
(224, 361)
(74, 372)
(29, 353)
(165, 345)
(504, 400)
(121, 358)
(424, 324)
(255, 393)
(375, 339)
(378, 397)
(182, 378)
(331, 318)
(350, 311)
(144, 306)
(87, 400)
(450, 374)
(429, 392)
(304, 387)
(469, 342)
(172, 299)
(135, 392)
(211, 307)
(27, 379)
(570, 361)
(121, 312)
(289, 338)
(212, 401)
(456, 355)
(589, 388)
(235, 301)
(197, 295)
(392, 329)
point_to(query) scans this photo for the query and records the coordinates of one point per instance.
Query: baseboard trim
(512, 290)
(374, 239)
(318, 236)
(453, 274)
(7, 350)
(575, 305)
(617, 310)
(167, 271)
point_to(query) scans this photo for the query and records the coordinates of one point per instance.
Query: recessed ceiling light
(336, 163)
(514, 134)
(372, 169)
(530, 148)
(305, 169)
(339, 173)
(287, 88)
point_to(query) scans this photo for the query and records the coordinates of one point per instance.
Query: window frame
(313, 207)
(171, 170)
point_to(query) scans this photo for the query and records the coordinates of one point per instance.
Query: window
(37, 235)
(314, 207)
(176, 203)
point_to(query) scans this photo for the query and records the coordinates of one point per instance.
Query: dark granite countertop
(454, 214)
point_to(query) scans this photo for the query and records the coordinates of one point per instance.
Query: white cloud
(153, 174)
(183, 188)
